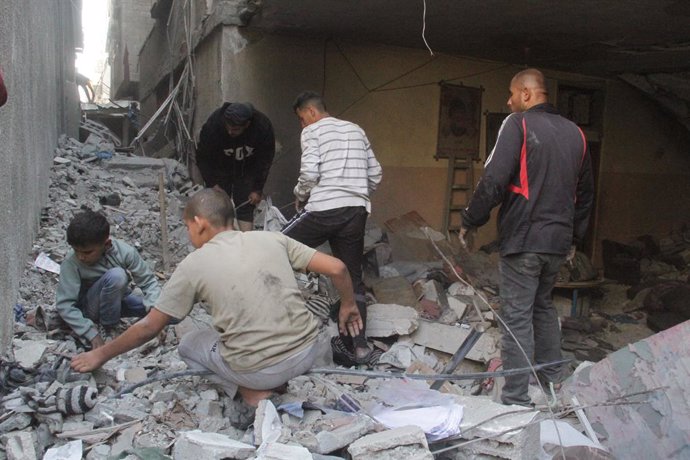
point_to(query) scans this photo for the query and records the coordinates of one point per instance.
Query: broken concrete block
(132, 375)
(195, 445)
(395, 290)
(408, 442)
(656, 425)
(278, 451)
(330, 441)
(16, 422)
(209, 395)
(124, 163)
(523, 442)
(20, 445)
(399, 355)
(99, 452)
(29, 353)
(459, 288)
(70, 451)
(459, 307)
(61, 161)
(448, 339)
(206, 408)
(267, 424)
(385, 320)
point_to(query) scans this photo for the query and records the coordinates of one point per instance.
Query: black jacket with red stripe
(541, 173)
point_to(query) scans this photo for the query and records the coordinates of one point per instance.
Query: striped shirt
(338, 167)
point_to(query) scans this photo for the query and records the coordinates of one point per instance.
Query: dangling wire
(424, 29)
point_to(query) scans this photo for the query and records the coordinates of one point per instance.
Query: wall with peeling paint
(37, 61)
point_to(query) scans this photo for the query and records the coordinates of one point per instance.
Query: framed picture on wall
(459, 121)
(494, 120)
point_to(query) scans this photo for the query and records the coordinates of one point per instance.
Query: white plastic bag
(267, 217)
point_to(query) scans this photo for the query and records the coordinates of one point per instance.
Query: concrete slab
(521, 443)
(395, 290)
(385, 320)
(448, 339)
(391, 444)
(277, 451)
(133, 163)
(20, 445)
(195, 445)
(657, 425)
(29, 353)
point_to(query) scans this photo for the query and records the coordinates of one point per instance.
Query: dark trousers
(238, 189)
(343, 228)
(527, 280)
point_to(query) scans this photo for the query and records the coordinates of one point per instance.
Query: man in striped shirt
(338, 173)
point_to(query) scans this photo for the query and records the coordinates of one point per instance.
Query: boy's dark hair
(211, 204)
(87, 228)
(309, 98)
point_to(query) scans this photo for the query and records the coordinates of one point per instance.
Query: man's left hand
(255, 197)
(87, 362)
(349, 320)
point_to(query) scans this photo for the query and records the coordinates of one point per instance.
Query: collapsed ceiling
(644, 42)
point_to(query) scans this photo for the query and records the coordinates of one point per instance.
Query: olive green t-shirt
(247, 279)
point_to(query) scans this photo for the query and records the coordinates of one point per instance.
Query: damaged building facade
(373, 69)
(37, 54)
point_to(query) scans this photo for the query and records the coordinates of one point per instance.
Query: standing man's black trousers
(343, 228)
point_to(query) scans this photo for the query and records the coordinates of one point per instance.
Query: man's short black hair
(88, 228)
(309, 98)
(211, 204)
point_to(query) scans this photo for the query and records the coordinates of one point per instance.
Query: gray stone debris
(408, 442)
(385, 320)
(20, 445)
(195, 445)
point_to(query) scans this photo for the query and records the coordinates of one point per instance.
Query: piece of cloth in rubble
(344, 357)
(76, 278)
(247, 279)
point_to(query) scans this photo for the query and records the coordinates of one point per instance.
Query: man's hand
(461, 237)
(97, 342)
(255, 197)
(299, 205)
(87, 362)
(349, 320)
(570, 257)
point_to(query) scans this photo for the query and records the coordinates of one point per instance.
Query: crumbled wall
(37, 61)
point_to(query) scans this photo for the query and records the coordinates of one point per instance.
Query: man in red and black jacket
(3, 91)
(540, 172)
(235, 153)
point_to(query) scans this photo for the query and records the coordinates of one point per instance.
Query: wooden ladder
(460, 185)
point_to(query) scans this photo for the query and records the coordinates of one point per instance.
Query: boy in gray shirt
(94, 279)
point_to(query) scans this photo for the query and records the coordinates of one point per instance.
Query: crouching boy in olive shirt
(262, 335)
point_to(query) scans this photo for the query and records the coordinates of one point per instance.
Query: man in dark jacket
(540, 173)
(235, 153)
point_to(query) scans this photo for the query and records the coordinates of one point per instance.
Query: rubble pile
(658, 273)
(420, 313)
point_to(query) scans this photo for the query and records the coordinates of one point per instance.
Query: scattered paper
(44, 262)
